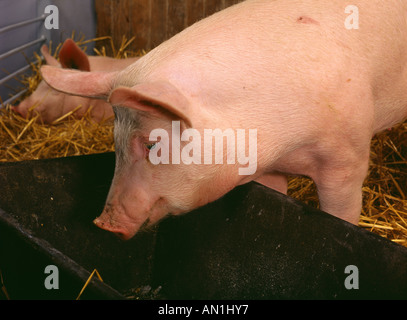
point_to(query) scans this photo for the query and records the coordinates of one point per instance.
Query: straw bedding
(384, 206)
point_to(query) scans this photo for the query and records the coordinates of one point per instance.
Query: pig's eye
(150, 146)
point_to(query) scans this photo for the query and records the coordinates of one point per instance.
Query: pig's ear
(50, 60)
(95, 85)
(158, 98)
(72, 57)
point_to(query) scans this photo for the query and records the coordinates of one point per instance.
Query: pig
(315, 90)
(51, 105)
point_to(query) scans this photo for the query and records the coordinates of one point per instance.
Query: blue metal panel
(22, 32)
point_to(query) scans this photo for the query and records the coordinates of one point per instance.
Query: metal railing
(40, 40)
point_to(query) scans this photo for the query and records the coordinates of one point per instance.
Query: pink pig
(51, 104)
(315, 91)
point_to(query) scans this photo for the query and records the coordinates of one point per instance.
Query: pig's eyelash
(150, 145)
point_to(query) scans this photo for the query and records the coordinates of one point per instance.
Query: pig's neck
(107, 64)
(262, 145)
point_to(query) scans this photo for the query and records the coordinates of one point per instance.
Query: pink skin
(315, 91)
(51, 104)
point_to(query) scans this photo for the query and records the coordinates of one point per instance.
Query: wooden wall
(151, 21)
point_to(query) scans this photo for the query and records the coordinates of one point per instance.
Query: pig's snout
(120, 232)
(19, 110)
(111, 220)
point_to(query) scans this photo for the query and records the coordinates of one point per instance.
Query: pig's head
(44, 100)
(142, 192)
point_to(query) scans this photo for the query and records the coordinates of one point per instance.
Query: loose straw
(87, 282)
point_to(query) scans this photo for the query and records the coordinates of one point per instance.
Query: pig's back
(289, 53)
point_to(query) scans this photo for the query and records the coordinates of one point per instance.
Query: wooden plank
(103, 17)
(120, 21)
(158, 22)
(176, 17)
(229, 3)
(104, 22)
(194, 11)
(140, 21)
(212, 6)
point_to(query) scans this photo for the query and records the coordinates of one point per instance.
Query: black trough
(253, 243)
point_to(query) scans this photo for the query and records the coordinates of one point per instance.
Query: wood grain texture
(150, 21)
